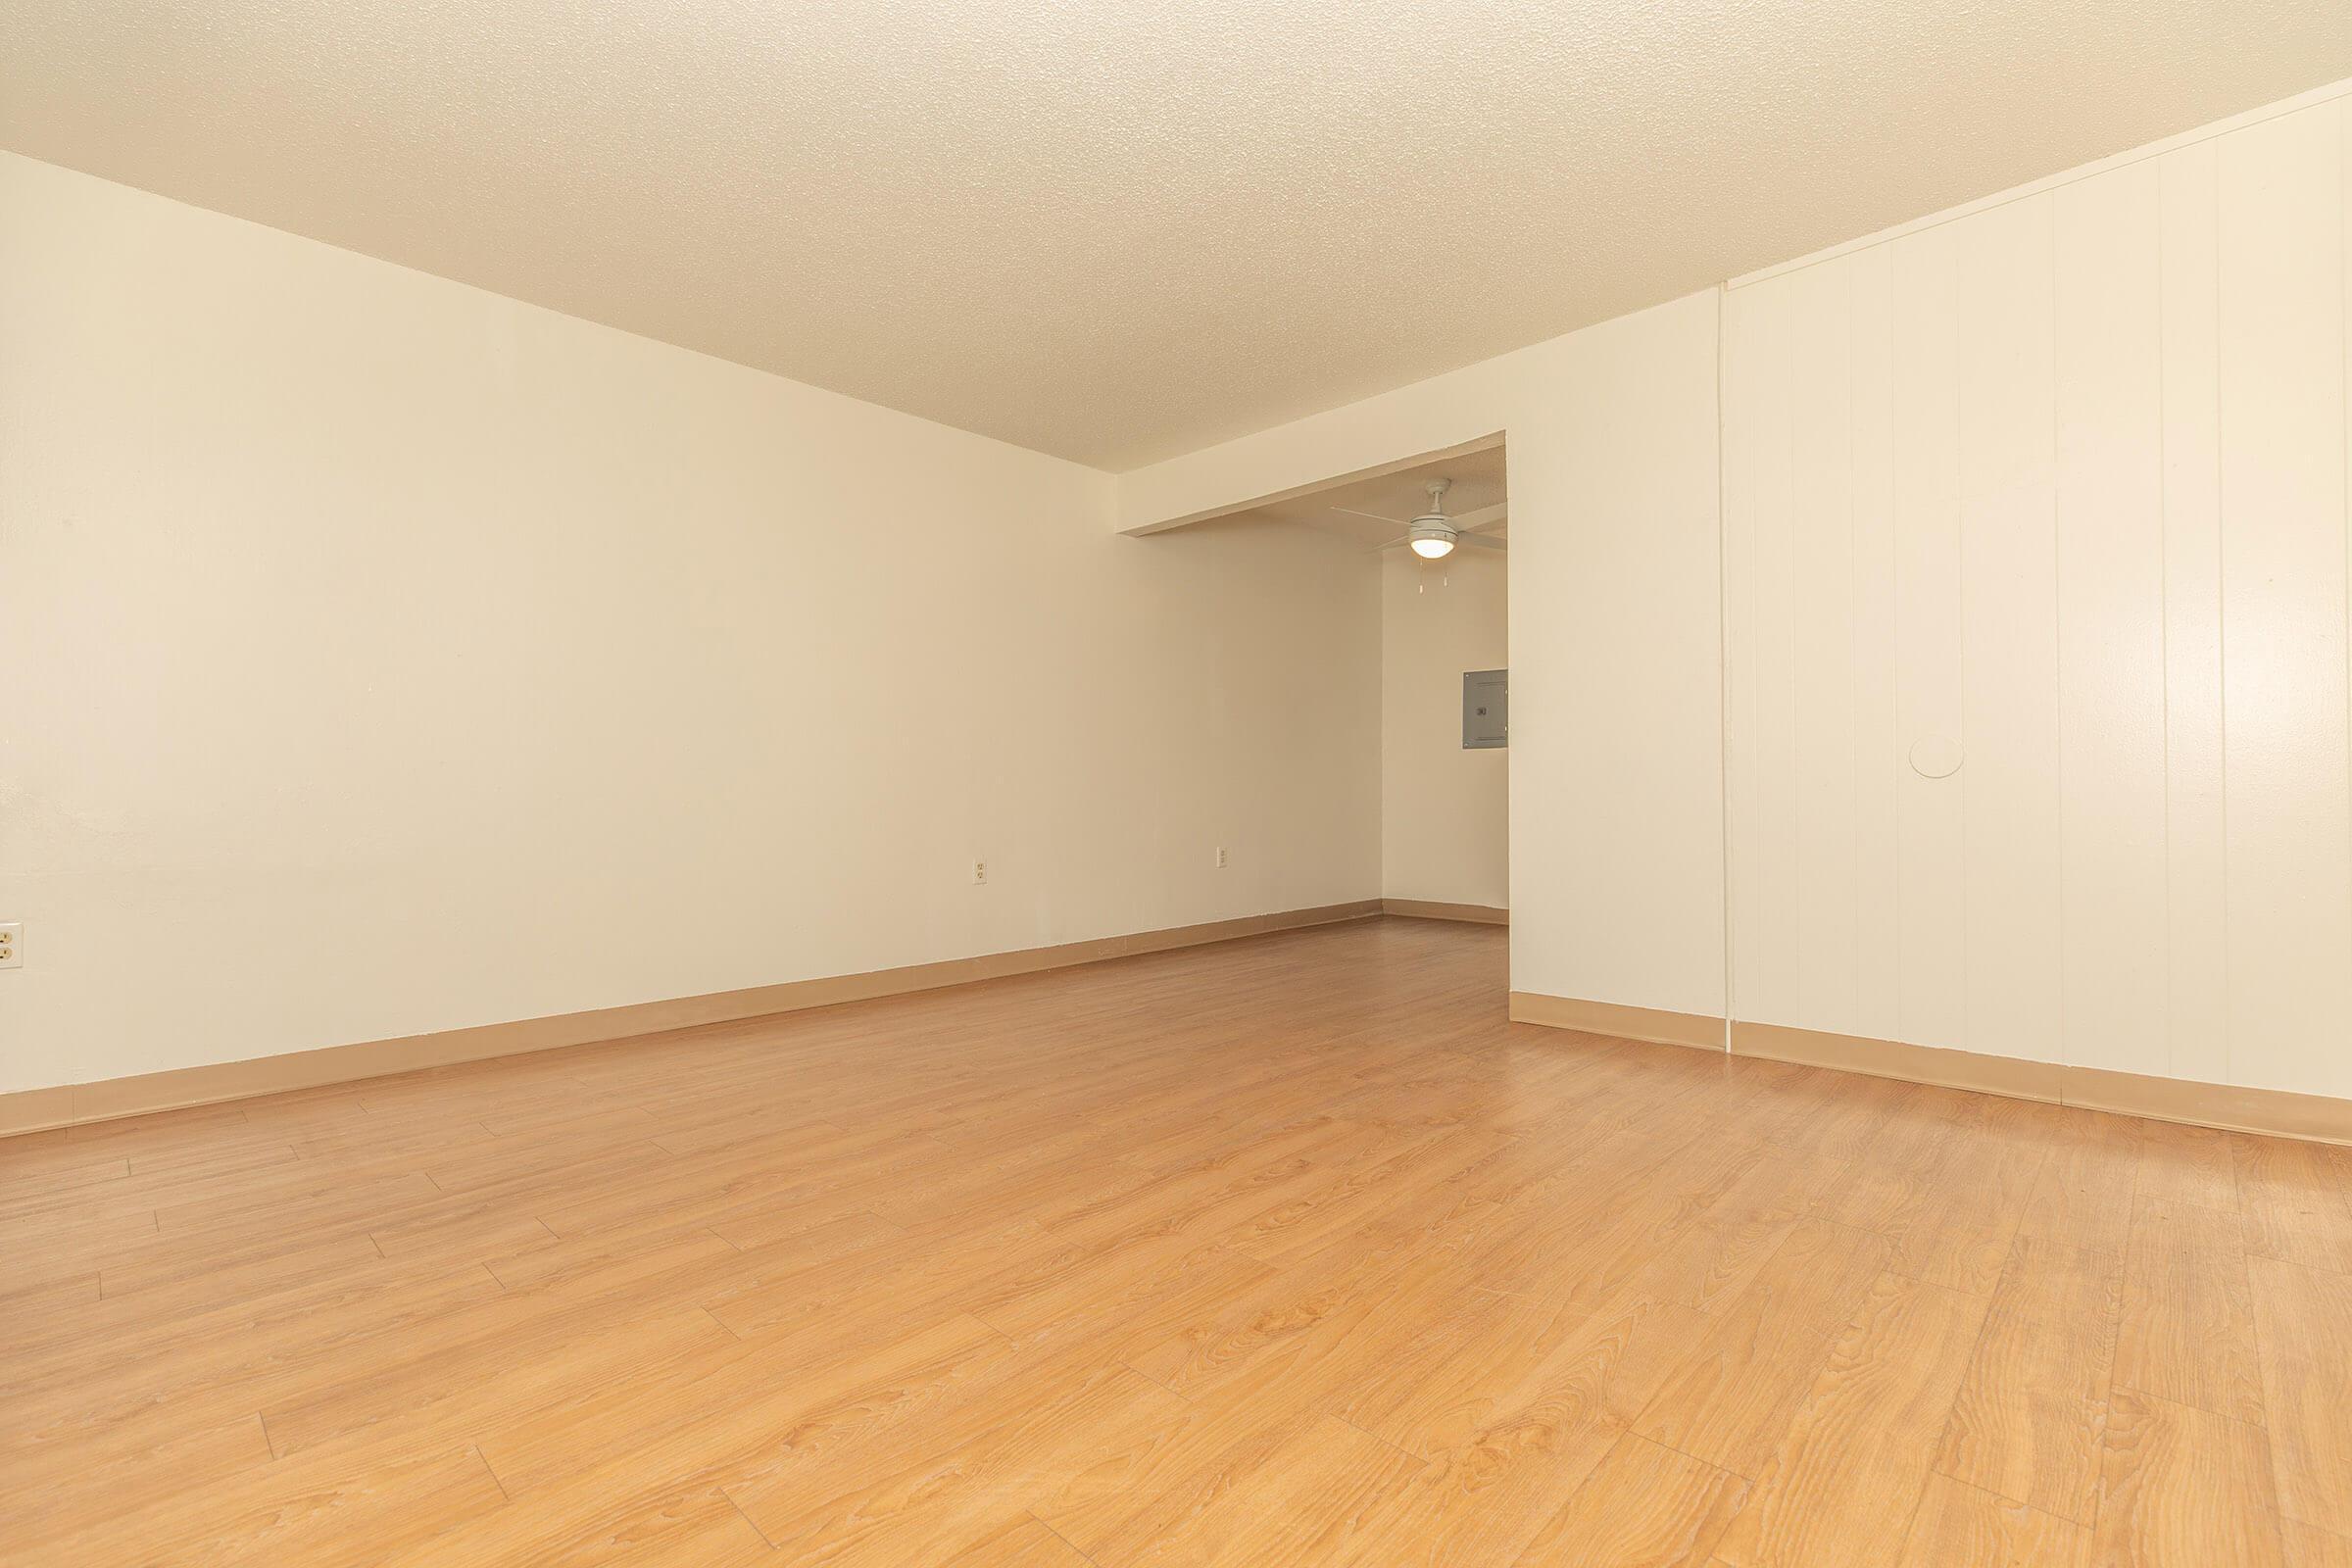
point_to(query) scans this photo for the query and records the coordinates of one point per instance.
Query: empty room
(910, 785)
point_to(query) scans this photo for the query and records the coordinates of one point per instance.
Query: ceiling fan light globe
(1432, 537)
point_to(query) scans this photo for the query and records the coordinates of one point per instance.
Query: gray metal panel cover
(1486, 708)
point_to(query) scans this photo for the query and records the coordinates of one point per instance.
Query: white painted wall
(2062, 479)
(1446, 827)
(385, 656)
(1617, 669)
(1616, 760)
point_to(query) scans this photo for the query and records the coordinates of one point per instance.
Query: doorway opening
(1437, 534)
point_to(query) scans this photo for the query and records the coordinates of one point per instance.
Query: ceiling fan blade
(1404, 539)
(1374, 516)
(1482, 518)
(1479, 541)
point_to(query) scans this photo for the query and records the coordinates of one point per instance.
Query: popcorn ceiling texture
(1108, 230)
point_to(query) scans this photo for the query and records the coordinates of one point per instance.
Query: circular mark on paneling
(1936, 757)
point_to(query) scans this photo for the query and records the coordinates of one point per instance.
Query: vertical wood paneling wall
(2061, 483)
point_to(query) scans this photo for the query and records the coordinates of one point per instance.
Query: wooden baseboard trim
(1891, 1058)
(35, 1109)
(1654, 1025)
(32, 1110)
(2272, 1113)
(2279, 1112)
(1425, 910)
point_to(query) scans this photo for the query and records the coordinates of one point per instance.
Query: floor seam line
(747, 1518)
(1419, 1460)
(492, 1471)
(1058, 1535)
(1939, 1473)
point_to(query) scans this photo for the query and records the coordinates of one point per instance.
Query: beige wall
(1445, 831)
(2062, 480)
(383, 656)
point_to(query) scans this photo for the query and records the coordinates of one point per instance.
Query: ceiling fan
(1432, 535)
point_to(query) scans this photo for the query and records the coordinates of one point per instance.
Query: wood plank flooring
(1281, 1251)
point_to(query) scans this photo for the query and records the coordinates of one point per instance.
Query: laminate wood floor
(1281, 1251)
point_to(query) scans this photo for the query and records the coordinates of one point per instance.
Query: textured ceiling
(1116, 230)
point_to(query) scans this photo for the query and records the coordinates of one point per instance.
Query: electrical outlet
(979, 873)
(1222, 863)
(12, 945)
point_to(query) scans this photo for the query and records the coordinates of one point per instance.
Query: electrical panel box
(1485, 710)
